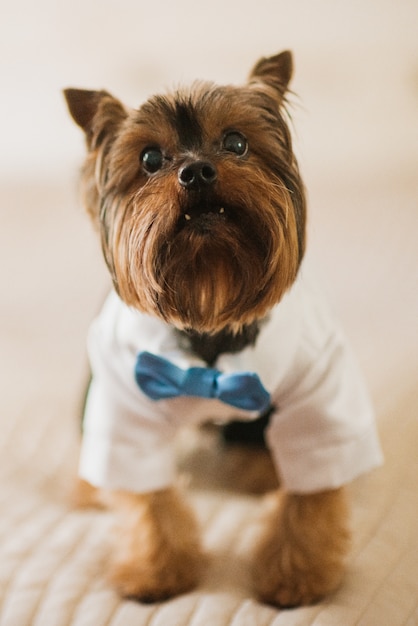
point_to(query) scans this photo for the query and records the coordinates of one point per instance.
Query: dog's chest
(209, 347)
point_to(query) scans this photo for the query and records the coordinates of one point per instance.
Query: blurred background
(355, 117)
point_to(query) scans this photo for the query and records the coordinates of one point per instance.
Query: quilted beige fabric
(356, 134)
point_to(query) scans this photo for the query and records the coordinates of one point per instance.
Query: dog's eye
(152, 160)
(235, 142)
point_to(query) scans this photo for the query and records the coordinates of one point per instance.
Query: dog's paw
(289, 575)
(156, 569)
(153, 580)
(300, 559)
(157, 551)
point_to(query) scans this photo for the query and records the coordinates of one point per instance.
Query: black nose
(197, 174)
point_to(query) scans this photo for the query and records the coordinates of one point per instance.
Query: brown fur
(84, 496)
(212, 262)
(157, 550)
(300, 557)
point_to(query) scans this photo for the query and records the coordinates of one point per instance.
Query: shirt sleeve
(323, 433)
(127, 440)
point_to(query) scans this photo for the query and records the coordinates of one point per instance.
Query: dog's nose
(197, 174)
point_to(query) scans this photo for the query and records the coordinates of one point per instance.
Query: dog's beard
(216, 278)
(203, 264)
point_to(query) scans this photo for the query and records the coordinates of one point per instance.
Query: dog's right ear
(98, 113)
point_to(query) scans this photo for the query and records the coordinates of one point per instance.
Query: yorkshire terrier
(201, 211)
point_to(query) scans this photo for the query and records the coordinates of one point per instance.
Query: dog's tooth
(187, 217)
(221, 210)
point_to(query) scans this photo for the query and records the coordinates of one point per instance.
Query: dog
(201, 210)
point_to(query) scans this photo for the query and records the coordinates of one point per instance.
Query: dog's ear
(98, 113)
(275, 72)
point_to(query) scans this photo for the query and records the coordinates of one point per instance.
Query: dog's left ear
(275, 71)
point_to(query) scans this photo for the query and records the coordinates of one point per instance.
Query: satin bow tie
(159, 379)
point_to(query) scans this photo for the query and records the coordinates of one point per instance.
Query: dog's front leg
(157, 551)
(300, 558)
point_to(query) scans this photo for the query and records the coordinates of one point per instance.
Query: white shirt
(322, 433)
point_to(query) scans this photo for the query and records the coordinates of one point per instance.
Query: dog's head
(198, 197)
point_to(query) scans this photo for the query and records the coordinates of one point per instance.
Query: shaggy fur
(248, 228)
(211, 256)
(300, 558)
(157, 551)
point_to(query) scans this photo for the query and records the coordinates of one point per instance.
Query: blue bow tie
(159, 379)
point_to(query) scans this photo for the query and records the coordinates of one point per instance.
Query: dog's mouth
(203, 218)
(193, 214)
